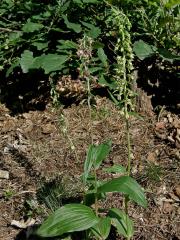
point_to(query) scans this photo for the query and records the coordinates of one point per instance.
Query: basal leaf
(143, 50)
(121, 222)
(126, 185)
(69, 218)
(102, 229)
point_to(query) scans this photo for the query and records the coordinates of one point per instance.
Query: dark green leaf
(51, 62)
(69, 218)
(66, 44)
(74, 26)
(143, 50)
(126, 185)
(40, 45)
(102, 56)
(167, 55)
(121, 222)
(12, 67)
(32, 27)
(102, 229)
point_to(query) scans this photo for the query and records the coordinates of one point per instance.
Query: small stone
(48, 128)
(177, 191)
(167, 207)
(4, 174)
(151, 157)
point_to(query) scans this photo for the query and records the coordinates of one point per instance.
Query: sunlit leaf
(102, 229)
(126, 185)
(69, 218)
(121, 222)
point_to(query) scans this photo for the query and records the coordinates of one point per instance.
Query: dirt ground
(49, 147)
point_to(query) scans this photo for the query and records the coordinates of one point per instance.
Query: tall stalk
(124, 68)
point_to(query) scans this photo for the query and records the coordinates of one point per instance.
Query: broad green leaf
(40, 45)
(74, 26)
(101, 152)
(15, 36)
(115, 169)
(126, 185)
(69, 218)
(32, 27)
(102, 229)
(66, 44)
(102, 56)
(107, 82)
(95, 156)
(51, 62)
(94, 31)
(121, 222)
(143, 50)
(26, 61)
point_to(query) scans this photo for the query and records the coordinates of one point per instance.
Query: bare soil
(48, 146)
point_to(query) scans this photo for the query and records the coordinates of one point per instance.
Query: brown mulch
(40, 146)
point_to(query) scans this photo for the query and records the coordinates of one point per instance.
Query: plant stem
(95, 187)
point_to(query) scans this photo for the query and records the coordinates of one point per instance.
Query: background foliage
(44, 36)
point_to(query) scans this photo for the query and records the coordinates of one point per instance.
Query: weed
(8, 194)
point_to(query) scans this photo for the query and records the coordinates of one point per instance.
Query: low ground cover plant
(88, 217)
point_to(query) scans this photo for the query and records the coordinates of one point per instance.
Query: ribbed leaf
(101, 152)
(121, 222)
(69, 218)
(102, 228)
(126, 185)
(88, 162)
(95, 156)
